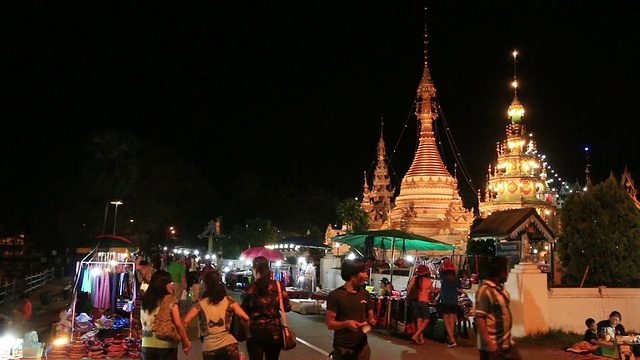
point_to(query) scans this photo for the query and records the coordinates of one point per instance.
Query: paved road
(314, 343)
(314, 340)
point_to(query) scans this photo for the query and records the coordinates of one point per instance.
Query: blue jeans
(149, 353)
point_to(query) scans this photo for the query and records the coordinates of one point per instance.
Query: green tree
(255, 232)
(353, 215)
(601, 231)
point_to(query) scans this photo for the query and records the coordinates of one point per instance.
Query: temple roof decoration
(519, 178)
(378, 200)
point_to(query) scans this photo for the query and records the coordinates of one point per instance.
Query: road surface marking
(324, 353)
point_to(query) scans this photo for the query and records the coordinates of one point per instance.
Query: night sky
(295, 92)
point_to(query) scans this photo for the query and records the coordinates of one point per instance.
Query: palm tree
(353, 215)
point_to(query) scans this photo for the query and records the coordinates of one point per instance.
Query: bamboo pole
(585, 275)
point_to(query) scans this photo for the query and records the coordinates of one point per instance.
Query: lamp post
(115, 217)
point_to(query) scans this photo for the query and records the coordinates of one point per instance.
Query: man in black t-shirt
(350, 313)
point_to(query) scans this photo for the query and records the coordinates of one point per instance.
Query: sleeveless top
(214, 321)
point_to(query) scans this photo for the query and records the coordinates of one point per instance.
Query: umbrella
(111, 243)
(270, 254)
(302, 241)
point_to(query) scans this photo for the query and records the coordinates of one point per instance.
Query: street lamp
(115, 217)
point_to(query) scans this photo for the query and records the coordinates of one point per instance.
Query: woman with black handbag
(215, 311)
(160, 318)
(261, 301)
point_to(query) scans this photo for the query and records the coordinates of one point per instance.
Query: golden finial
(516, 110)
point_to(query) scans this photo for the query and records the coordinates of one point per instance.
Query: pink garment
(103, 300)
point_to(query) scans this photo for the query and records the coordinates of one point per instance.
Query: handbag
(238, 328)
(163, 327)
(288, 337)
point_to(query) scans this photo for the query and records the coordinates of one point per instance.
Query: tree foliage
(601, 230)
(353, 215)
(255, 232)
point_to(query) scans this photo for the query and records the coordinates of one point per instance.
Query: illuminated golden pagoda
(429, 203)
(519, 179)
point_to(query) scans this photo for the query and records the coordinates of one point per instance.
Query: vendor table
(296, 293)
(626, 347)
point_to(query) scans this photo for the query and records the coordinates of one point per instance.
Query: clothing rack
(87, 263)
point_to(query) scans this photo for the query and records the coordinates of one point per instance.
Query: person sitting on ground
(614, 322)
(24, 312)
(589, 341)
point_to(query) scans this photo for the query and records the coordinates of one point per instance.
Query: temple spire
(516, 110)
(425, 37)
(427, 160)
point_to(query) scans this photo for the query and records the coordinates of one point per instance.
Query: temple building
(378, 200)
(428, 203)
(519, 178)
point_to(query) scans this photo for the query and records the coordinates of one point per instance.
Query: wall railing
(12, 291)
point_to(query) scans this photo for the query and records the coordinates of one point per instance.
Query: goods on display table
(91, 347)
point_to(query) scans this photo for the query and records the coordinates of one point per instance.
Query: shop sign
(510, 250)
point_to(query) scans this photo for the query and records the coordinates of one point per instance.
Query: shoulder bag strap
(282, 313)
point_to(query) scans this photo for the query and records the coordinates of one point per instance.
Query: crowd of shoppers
(214, 310)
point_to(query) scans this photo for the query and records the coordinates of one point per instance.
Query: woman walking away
(261, 302)
(152, 347)
(214, 313)
(420, 307)
(449, 291)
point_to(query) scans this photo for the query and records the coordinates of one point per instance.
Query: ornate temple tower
(429, 203)
(378, 201)
(519, 179)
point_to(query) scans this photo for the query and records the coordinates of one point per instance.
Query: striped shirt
(492, 304)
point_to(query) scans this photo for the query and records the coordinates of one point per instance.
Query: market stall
(298, 271)
(303, 254)
(103, 319)
(393, 312)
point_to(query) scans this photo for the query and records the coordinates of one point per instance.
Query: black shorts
(420, 309)
(449, 308)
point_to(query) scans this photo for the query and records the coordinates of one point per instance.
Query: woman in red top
(24, 313)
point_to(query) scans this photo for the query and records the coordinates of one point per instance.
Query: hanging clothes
(86, 280)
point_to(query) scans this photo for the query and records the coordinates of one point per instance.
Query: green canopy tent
(393, 239)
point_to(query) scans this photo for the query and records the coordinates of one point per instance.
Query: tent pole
(393, 259)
